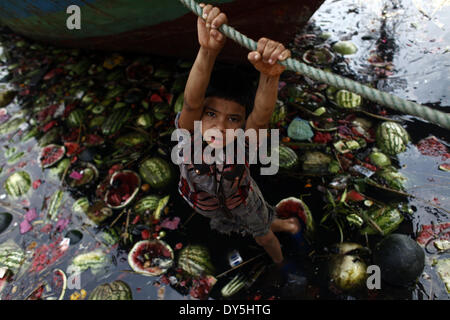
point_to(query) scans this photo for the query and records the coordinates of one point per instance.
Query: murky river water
(410, 35)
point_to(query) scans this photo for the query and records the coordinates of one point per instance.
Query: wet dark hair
(236, 84)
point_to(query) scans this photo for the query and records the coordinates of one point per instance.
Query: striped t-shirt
(226, 193)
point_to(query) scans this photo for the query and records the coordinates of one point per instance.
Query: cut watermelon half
(151, 257)
(50, 155)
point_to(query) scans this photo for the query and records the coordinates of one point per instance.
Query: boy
(226, 193)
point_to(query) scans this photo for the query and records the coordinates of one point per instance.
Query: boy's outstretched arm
(211, 42)
(265, 59)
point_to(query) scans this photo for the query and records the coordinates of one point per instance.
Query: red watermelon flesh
(291, 207)
(51, 154)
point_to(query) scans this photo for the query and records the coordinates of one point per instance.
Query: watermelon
(17, 184)
(124, 188)
(99, 212)
(400, 258)
(232, 287)
(392, 138)
(379, 159)
(156, 172)
(51, 136)
(116, 290)
(161, 205)
(131, 139)
(50, 155)
(348, 272)
(96, 260)
(347, 269)
(55, 203)
(151, 257)
(345, 47)
(288, 159)
(149, 203)
(115, 121)
(196, 261)
(82, 174)
(11, 125)
(388, 219)
(76, 118)
(294, 207)
(11, 256)
(347, 100)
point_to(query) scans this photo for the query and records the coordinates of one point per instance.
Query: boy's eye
(210, 114)
(233, 119)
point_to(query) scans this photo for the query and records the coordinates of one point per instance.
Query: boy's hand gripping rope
(434, 116)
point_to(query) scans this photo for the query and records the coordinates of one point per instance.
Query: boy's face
(221, 114)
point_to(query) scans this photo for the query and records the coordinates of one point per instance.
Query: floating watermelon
(401, 259)
(116, 290)
(17, 184)
(124, 187)
(50, 155)
(151, 257)
(391, 137)
(196, 261)
(156, 172)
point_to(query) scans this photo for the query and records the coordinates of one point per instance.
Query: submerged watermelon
(50, 155)
(151, 257)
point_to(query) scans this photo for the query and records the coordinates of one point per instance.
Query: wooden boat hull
(162, 27)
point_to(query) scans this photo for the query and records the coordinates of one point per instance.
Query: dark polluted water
(402, 48)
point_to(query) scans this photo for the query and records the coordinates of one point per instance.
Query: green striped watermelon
(116, 290)
(147, 203)
(348, 100)
(96, 260)
(115, 121)
(55, 203)
(17, 184)
(392, 138)
(76, 118)
(156, 172)
(11, 256)
(195, 260)
(288, 159)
